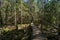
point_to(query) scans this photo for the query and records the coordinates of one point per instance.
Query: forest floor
(24, 26)
(38, 35)
(10, 28)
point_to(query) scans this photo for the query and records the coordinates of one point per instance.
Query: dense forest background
(16, 16)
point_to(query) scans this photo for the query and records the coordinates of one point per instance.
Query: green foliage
(28, 12)
(22, 34)
(51, 16)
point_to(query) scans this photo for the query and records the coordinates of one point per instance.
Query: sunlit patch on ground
(20, 26)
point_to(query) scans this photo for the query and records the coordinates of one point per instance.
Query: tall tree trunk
(1, 20)
(6, 16)
(30, 12)
(21, 12)
(16, 22)
(16, 17)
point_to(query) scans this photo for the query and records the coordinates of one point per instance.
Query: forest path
(37, 35)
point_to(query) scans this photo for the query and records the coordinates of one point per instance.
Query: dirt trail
(37, 35)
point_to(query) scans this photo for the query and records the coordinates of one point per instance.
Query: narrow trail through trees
(37, 35)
